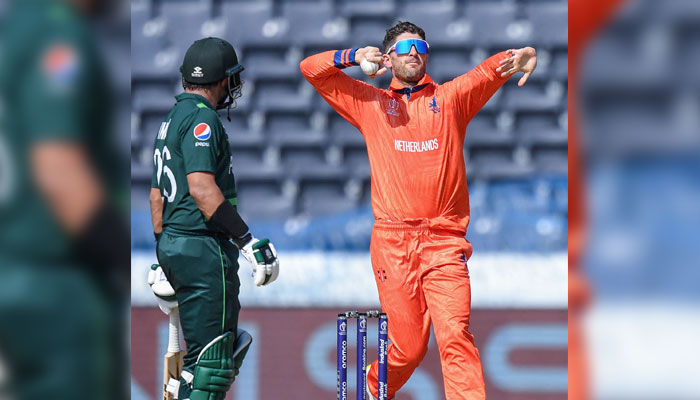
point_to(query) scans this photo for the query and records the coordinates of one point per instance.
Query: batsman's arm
(156, 201)
(65, 177)
(345, 94)
(216, 209)
(224, 218)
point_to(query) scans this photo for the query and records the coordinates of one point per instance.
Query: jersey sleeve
(201, 141)
(473, 89)
(346, 95)
(57, 84)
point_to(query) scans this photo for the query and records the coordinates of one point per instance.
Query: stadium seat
(262, 64)
(314, 24)
(489, 24)
(540, 128)
(281, 95)
(549, 21)
(357, 162)
(368, 9)
(559, 64)
(551, 159)
(250, 23)
(533, 96)
(154, 96)
(368, 30)
(447, 63)
(184, 20)
(438, 20)
(262, 200)
(319, 198)
(341, 132)
(482, 130)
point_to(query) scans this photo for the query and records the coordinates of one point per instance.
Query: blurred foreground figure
(581, 29)
(64, 256)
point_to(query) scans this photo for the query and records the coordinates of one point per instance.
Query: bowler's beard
(409, 75)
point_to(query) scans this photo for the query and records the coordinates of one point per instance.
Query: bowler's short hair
(396, 30)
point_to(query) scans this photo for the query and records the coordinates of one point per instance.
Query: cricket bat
(172, 362)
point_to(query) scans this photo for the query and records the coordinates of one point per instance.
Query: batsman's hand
(372, 54)
(262, 257)
(165, 294)
(521, 60)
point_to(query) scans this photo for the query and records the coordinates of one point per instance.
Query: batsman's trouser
(56, 327)
(421, 275)
(203, 270)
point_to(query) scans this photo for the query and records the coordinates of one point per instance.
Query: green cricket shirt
(191, 139)
(53, 88)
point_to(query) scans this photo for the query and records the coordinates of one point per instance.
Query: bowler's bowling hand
(521, 60)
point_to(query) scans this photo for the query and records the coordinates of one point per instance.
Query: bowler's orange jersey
(414, 136)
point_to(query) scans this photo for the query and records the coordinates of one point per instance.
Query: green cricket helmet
(209, 61)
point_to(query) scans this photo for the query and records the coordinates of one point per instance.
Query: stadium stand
(302, 170)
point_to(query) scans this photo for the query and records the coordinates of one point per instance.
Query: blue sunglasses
(404, 46)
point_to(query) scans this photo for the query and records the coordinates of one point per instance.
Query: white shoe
(369, 394)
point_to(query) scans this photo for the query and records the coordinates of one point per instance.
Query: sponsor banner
(293, 355)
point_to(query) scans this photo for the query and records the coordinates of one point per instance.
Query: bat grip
(174, 331)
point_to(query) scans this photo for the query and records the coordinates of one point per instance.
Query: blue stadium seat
(149, 56)
(369, 30)
(341, 132)
(311, 23)
(437, 19)
(251, 161)
(155, 96)
(447, 63)
(482, 130)
(357, 162)
(540, 128)
(239, 135)
(368, 9)
(489, 23)
(184, 19)
(319, 198)
(251, 23)
(262, 200)
(551, 159)
(303, 160)
(281, 95)
(268, 63)
(533, 96)
(150, 124)
(549, 21)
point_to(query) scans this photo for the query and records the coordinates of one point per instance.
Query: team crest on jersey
(393, 107)
(61, 66)
(433, 106)
(202, 131)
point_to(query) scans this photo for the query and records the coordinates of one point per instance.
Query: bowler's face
(410, 67)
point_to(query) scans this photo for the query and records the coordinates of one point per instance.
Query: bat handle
(174, 331)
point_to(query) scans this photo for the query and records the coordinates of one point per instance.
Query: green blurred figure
(64, 251)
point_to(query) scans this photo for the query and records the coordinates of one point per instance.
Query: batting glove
(165, 294)
(262, 257)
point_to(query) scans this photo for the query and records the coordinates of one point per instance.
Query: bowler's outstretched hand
(521, 60)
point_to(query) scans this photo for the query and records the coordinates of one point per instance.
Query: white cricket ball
(369, 67)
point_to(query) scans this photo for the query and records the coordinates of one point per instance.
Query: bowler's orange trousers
(422, 276)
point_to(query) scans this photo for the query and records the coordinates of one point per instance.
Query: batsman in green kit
(197, 226)
(62, 194)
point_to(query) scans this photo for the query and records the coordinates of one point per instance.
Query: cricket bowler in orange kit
(415, 134)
